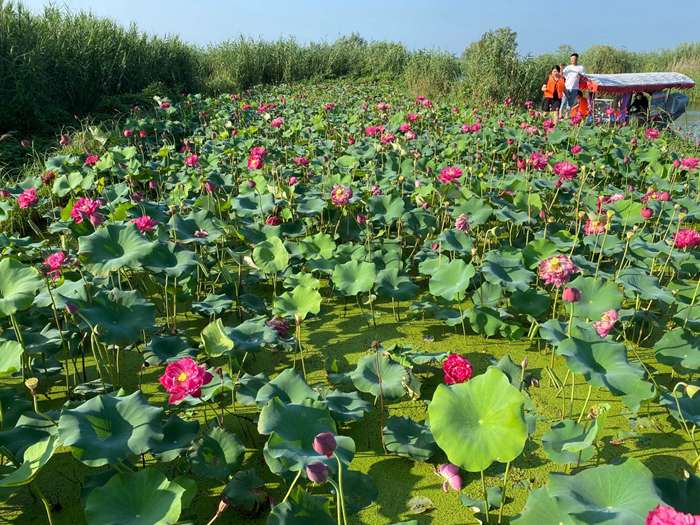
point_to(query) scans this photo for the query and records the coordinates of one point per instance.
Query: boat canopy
(635, 82)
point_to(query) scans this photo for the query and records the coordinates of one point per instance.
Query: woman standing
(553, 90)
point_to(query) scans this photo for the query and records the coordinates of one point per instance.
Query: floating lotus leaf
(271, 256)
(178, 435)
(346, 406)
(407, 438)
(378, 375)
(251, 335)
(605, 363)
(246, 491)
(114, 247)
(301, 508)
(120, 317)
(541, 508)
(507, 271)
(494, 495)
(300, 302)
(107, 428)
(636, 281)
(559, 440)
(292, 428)
(288, 386)
(354, 277)
(597, 296)
(451, 279)
(18, 286)
(680, 349)
(217, 454)
(144, 497)
(480, 421)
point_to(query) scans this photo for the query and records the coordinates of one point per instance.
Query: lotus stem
(47, 505)
(340, 488)
(296, 478)
(503, 495)
(585, 403)
(486, 497)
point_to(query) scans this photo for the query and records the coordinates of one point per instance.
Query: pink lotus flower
(91, 159)
(606, 323)
(595, 226)
(340, 195)
(690, 163)
(210, 187)
(372, 131)
(329, 106)
(143, 134)
(164, 105)
(607, 199)
(412, 117)
(449, 174)
(201, 234)
(663, 515)
(565, 170)
(54, 263)
(376, 191)
(86, 208)
(279, 325)
(647, 213)
(184, 378)
(462, 222)
(652, 133)
(403, 128)
(4, 194)
(273, 220)
(351, 140)
(361, 219)
(192, 161)
(145, 223)
(456, 369)
(317, 472)
(571, 295)
(507, 102)
(556, 270)
(128, 133)
(64, 140)
(686, 238)
(277, 122)
(27, 198)
(576, 120)
(258, 151)
(410, 135)
(453, 479)
(293, 181)
(656, 196)
(538, 160)
(300, 161)
(383, 106)
(387, 138)
(427, 103)
(548, 125)
(255, 162)
(676, 163)
(576, 149)
(529, 104)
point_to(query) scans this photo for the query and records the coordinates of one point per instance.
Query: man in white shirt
(571, 73)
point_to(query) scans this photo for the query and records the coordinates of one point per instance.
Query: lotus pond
(335, 303)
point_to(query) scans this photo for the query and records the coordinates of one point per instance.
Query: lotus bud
(71, 308)
(325, 444)
(452, 477)
(317, 472)
(647, 213)
(571, 295)
(523, 363)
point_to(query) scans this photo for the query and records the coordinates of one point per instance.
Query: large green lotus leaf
(120, 317)
(271, 256)
(10, 356)
(114, 247)
(246, 491)
(213, 304)
(613, 245)
(47, 341)
(108, 428)
(292, 428)
(144, 497)
(249, 386)
(476, 209)
(530, 301)
(354, 277)
(164, 349)
(604, 363)
(301, 279)
(636, 281)
(388, 208)
(18, 286)
(542, 509)
(480, 421)
(251, 335)
(346, 406)
(215, 339)
(450, 280)
(538, 250)
(318, 246)
(178, 435)
(12, 406)
(184, 228)
(487, 295)
(606, 495)
(217, 454)
(559, 440)
(398, 287)
(627, 212)
(406, 437)
(36, 456)
(597, 296)
(68, 292)
(456, 241)
(300, 302)
(490, 322)
(507, 272)
(288, 386)
(377, 374)
(680, 349)
(301, 508)
(690, 406)
(683, 495)
(166, 260)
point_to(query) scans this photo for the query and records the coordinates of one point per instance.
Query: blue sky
(436, 24)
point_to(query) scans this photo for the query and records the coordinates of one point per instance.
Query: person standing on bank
(553, 90)
(572, 74)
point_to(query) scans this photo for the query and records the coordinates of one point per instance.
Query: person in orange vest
(581, 108)
(552, 91)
